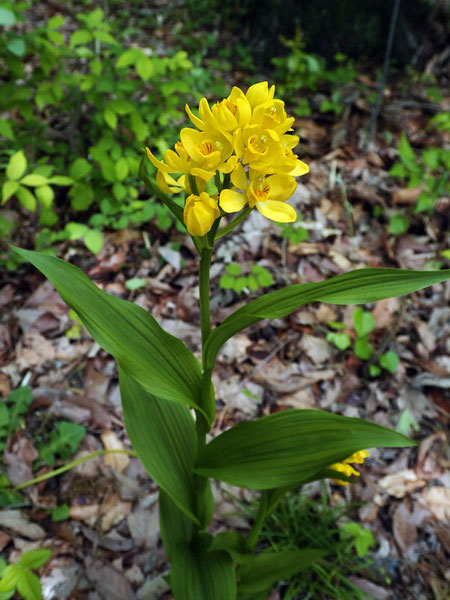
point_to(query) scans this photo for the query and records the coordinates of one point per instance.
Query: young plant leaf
(159, 362)
(289, 448)
(163, 435)
(33, 559)
(266, 569)
(356, 287)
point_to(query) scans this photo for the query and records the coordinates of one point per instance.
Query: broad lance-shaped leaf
(158, 361)
(356, 287)
(163, 435)
(289, 447)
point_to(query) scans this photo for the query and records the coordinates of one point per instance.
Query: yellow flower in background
(200, 212)
(267, 194)
(345, 467)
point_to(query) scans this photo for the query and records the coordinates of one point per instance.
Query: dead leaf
(118, 462)
(17, 523)
(114, 510)
(318, 349)
(437, 499)
(401, 483)
(18, 458)
(110, 584)
(143, 524)
(154, 589)
(406, 195)
(34, 350)
(404, 528)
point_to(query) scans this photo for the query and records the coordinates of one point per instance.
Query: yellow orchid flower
(170, 185)
(272, 115)
(345, 467)
(209, 151)
(267, 194)
(200, 212)
(224, 116)
(259, 93)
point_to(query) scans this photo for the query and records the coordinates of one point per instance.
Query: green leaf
(202, 575)
(398, 170)
(82, 36)
(33, 559)
(163, 435)
(289, 447)
(6, 130)
(79, 169)
(363, 538)
(425, 201)
(406, 421)
(155, 359)
(390, 361)
(266, 569)
(398, 224)
(26, 198)
(17, 46)
(60, 513)
(405, 150)
(135, 283)
(45, 195)
(362, 348)
(356, 287)
(56, 22)
(64, 441)
(105, 37)
(33, 180)
(20, 399)
(128, 57)
(9, 579)
(7, 17)
(121, 169)
(233, 269)
(176, 528)
(431, 157)
(340, 340)
(75, 231)
(110, 118)
(144, 67)
(17, 166)
(9, 188)
(94, 240)
(364, 321)
(227, 282)
(29, 585)
(374, 371)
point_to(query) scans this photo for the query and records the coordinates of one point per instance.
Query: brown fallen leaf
(404, 528)
(437, 499)
(15, 521)
(34, 350)
(110, 584)
(401, 483)
(18, 458)
(118, 462)
(406, 195)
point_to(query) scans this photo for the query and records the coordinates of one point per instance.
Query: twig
(387, 56)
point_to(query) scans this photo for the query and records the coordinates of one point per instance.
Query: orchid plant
(238, 157)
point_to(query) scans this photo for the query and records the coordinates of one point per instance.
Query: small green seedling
(364, 323)
(11, 412)
(362, 537)
(20, 576)
(64, 441)
(406, 422)
(259, 277)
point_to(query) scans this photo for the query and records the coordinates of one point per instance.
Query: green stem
(193, 185)
(268, 503)
(69, 466)
(234, 223)
(205, 265)
(151, 185)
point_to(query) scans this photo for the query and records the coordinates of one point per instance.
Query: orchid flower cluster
(243, 144)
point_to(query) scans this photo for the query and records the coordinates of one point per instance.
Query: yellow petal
(168, 184)
(228, 165)
(202, 173)
(281, 187)
(258, 93)
(239, 177)
(277, 211)
(190, 138)
(300, 169)
(195, 120)
(232, 201)
(159, 164)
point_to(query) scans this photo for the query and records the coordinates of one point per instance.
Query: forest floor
(108, 547)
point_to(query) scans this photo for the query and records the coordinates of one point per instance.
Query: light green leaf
(17, 46)
(356, 287)
(129, 57)
(144, 67)
(289, 447)
(262, 571)
(340, 340)
(364, 321)
(363, 348)
(9, 578)
(7, 17)
(45, 195)
(390, 361)
(398, 224)
(202, 575)
(17, 166)
(163, 435)
(82, 36)
(155, 359)
(121, 169)
(29, 586)
(79, 169)
(405, 150)
(75, 231)
(135, 283)
(104, 36)
(33, 559)
(26, 198)
(55, 22)
(94, 240)
(110, 118)
(33, 180)
(9, 188)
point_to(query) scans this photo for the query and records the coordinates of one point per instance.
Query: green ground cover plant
(20, 577)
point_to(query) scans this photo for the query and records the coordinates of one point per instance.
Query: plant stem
(234, 223)
(205, 264)
(268, 503)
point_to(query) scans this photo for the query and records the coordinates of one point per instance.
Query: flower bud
(200, 212)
